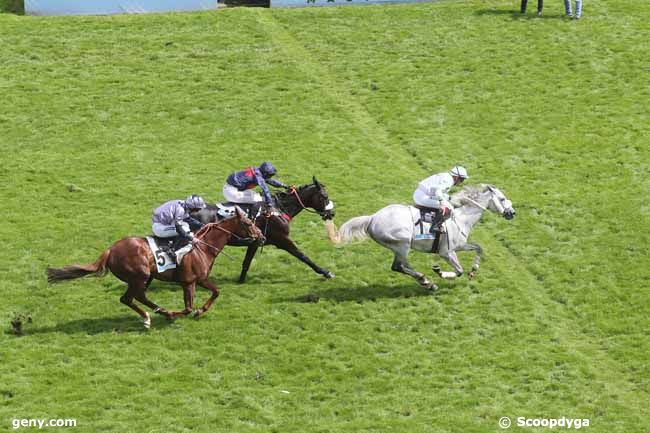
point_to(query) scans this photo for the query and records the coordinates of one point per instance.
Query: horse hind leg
(401, 265)
(127, 299)
(142, 298)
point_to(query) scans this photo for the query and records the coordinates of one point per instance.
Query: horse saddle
(425, 231)
(162, 250)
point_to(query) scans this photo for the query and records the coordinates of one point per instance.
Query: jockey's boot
(253, 210)
(168, 248)
(181, 246)
(436, 222)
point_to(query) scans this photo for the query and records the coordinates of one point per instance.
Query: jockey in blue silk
(173, 219)
(239, 185)
(431, 195)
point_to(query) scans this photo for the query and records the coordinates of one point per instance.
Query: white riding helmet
(459, 171)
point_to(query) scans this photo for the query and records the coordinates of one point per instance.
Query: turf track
(103, 118)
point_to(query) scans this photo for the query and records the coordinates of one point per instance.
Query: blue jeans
(567, 8)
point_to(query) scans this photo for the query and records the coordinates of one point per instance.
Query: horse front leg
(477, 258)
(250, 253)
(188, 297)
(215, 294)
(289, 246)
(452, 259)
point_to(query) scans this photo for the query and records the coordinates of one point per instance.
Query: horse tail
(71, 272)
(355, 229)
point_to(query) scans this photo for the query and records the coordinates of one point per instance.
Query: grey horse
(396, 227)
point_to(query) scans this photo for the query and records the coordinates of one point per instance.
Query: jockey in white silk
(432, 194)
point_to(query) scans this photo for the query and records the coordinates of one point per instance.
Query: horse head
(499, 203)
(310, 196)
(320, 201)
(485, 197)
(246, 228)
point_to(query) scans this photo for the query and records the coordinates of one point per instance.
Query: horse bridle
(480, 206)
(294, 191)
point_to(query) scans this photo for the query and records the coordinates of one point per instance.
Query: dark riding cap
(267, 169)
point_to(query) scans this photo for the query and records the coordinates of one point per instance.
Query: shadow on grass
(362, 294)
(117, 324)
(516, 15)
(512, 13)
(158, 286)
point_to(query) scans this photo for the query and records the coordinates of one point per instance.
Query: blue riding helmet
(194, 202)
(267, 169)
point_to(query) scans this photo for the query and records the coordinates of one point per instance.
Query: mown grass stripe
(376, 138)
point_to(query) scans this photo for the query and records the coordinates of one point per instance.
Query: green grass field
(104, 118)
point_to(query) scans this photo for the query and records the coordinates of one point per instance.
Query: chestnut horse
(131, 260)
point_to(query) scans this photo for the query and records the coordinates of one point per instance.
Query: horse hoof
(328, 275)
(197, 313)
(432, 287)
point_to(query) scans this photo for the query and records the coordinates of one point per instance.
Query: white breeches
(423, 199)
(236, 196)
(167, 231)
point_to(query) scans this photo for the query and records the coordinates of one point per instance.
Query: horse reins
(213, 247)
(217, 226)
(293, 191)
(475, 203)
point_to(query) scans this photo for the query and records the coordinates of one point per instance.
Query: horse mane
(284, 194)
(209, 226)
(471, 191)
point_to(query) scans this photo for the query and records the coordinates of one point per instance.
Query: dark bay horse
(131, 260)
(275, 226)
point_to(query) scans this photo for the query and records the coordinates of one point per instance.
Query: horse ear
(316, 181)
